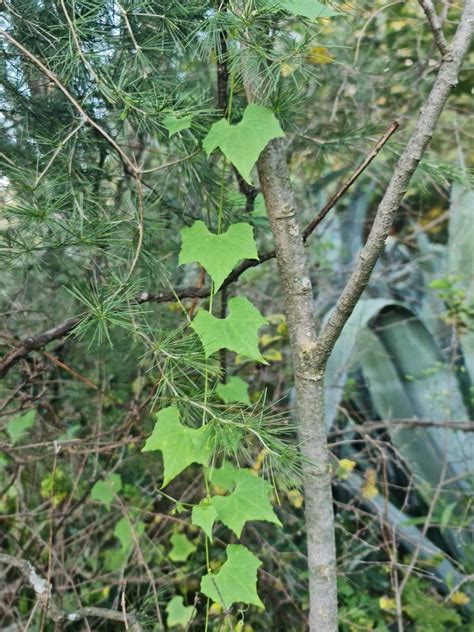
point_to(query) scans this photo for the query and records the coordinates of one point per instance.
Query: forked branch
(428, 117)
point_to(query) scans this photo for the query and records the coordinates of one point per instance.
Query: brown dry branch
(48, 600)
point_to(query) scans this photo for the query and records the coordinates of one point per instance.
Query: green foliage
(306, 8)
(243, 143)
(181, 548)
(84, 237)
(195, 446)
(218, 254)
(174, 124)
(204, 516)
(224, 476)
(234, 390)
(248, 501)
(236, 581)
(177, 613)
(238, 332)
(55, 487)
(104, 491)
(427, 611)
(127, 532)
(17, 427)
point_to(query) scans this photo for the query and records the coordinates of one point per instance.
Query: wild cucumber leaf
(224, 477)
(218, 254)
(181, 548)
(17, 427)
(236, 581)
(238, 332)
(235, 390)
(204, 516)
(123, 531)
(179, 444)
(178, 613)
(104, 491)
(174, 124)
(249, 501)
(243, 143)
(307, 8)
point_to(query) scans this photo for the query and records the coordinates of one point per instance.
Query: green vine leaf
(218, 254)
(123, 531)
(17, 427)
(307, 8)
(249, 501)
(238, 332)
(204, 516)
(178, 613)
(174, 124)
(181, 548)
(104, 491)
(243, 143)
(223, 478)
(179, 444)
(234, 390)
(236, 581)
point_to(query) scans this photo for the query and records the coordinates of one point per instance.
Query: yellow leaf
(276, 319)
(273, 355)
(347, 464)
(369, 488)
(344, 468)
(282, 328)
(397, 89)
(398, 25)
(370, 475)
(105, 592)
(257, 464)
(287, 70)
(318, 55)
(266, 339)
(296, 498)
(459, 598)
(215, 609)
(369, 491)
(385, 603)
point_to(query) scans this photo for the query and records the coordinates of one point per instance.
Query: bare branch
(428, 117)
(311, 227)
(36, 342)
(435, 25)
(391, 129)
(47, 599)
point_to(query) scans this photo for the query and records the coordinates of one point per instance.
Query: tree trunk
(298, 296)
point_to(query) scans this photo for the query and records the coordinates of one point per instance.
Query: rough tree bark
(310, 350)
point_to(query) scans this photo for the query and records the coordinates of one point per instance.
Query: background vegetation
(88, 247)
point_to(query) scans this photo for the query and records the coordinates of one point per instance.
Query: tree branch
(52, 77)
(37, 342)
(311, 227)
(428, 117)
(435, 25)
(391, 129)
(47, 599)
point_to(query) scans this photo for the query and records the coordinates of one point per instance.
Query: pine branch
(34, 343)
(131, 167)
